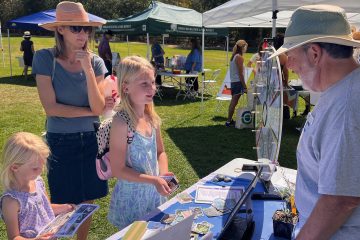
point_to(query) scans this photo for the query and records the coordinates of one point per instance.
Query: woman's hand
(84, 58)
(162, 187)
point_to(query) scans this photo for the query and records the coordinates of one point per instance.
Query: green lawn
(196, 141)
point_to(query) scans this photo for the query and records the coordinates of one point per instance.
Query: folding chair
(189, 89)
(220, 99)
(209, 84)
(158, 92)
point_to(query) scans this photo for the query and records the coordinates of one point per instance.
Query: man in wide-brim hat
(319, 46)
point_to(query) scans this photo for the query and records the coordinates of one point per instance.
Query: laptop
(226, 232)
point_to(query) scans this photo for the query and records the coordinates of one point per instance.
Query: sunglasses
(77, 29)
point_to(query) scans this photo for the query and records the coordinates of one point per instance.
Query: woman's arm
(118, 153)
(95, 94)
(161, 154)
(240, 64)
(51, 107)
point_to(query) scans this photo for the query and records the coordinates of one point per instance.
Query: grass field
(196, 141)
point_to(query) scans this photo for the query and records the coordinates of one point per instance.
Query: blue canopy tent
(31, 22)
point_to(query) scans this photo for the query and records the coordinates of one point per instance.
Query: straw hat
(27, 34)
(356, 35)
(317, 23)
(70, 14)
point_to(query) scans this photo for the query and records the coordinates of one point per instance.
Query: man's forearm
(328, 215)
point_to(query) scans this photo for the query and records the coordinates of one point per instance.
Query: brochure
(66, 225)
(207, 194)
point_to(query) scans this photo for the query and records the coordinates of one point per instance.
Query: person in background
(256, 57)
(157, 55)
(328, 161)
(238, 84)
(70, 82)
(105, 51)
(24, 204)
(27, 46)
(137, 160)
(193, 63)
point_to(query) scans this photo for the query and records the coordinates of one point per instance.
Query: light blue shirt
(328, 152)
(193, 57)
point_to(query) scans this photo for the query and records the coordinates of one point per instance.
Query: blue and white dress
(132, 200)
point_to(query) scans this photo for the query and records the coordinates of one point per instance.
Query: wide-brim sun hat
(317, 23)
(71, 14)
(27, 34)
(356, 35)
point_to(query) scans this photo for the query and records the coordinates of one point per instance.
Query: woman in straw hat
(27, 46)
(69, 81)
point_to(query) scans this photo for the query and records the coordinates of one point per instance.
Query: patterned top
(35, 209)
(132, 200)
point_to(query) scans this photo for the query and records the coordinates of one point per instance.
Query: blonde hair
(59, 48)
(239, 48)
(20, 148)
(128, 71)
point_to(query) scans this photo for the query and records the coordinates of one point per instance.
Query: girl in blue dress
(136, 165)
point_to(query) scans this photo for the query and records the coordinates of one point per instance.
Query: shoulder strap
(131, 131)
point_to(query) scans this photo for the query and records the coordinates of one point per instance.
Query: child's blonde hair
(20, 148)
(129, 70)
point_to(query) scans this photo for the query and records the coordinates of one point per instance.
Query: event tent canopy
(160, 18)
(259, 13)
(31, 22)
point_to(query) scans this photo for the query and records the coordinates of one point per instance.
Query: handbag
(102, 162)
(244, 115)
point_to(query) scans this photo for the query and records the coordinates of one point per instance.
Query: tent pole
(274, 17)
(2, 47)
(202, 67)
(147, 47)
(127, 41)
(227, 51)
(8, 32)
(163, 40)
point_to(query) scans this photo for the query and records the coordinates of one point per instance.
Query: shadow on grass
(19, 80)
(210, 147)
(219, 119)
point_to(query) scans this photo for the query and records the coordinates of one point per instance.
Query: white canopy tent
(268, 13)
